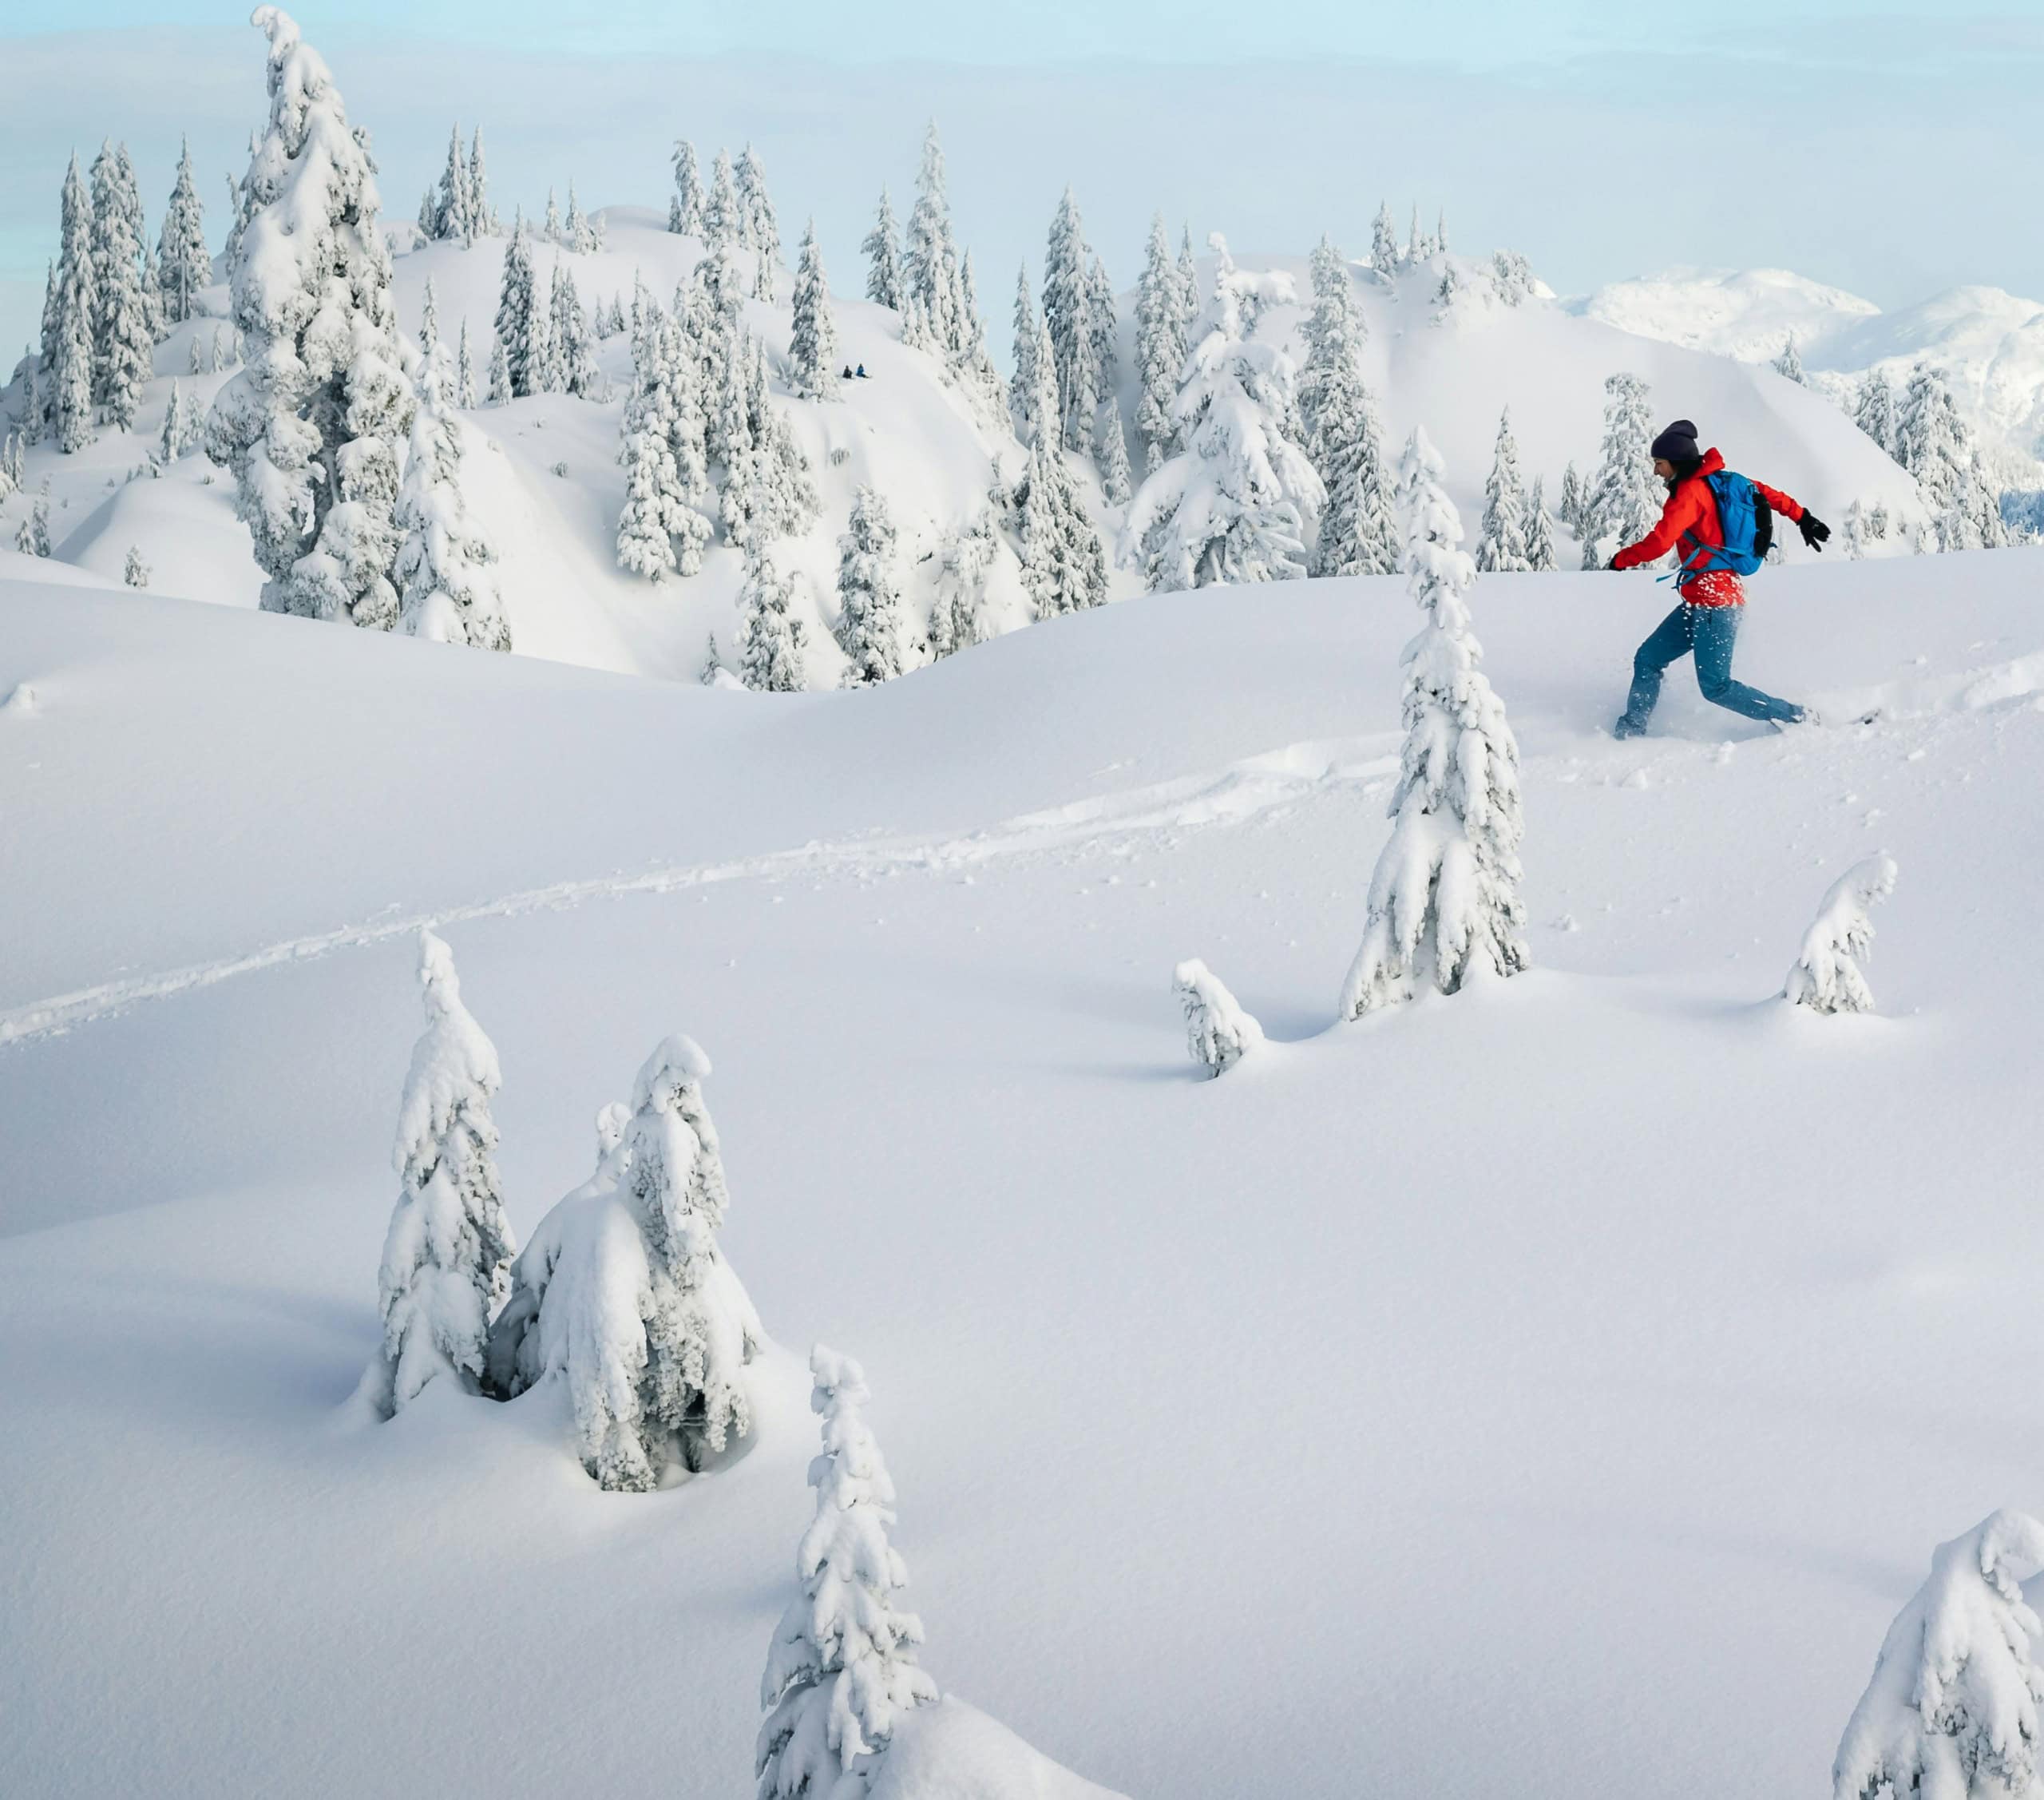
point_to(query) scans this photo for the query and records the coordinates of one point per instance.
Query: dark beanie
(1678, 443)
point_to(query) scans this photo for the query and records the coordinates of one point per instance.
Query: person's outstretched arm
(1815, 531)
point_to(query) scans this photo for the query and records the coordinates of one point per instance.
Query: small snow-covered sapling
(1826, 977)
(1218, 1032)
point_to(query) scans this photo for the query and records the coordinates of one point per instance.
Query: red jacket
(1691, 518)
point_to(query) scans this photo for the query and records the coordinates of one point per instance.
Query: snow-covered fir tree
(1063, 561)
(1218, 1032)
(1932, 442)
(1443, 904)
(574, 359)
(929, 257)
(516, 303)
(1359, 533)
(1852, 532)
(771, 641)
(1027, 329)
(1539, 530)
(447, 1254)
(1827, 977)
(715, 310)
(873, 626)
(446, 589)
(429, 319)
(1875, 412)
(1789, 363)
(550, 228)
(957, 617)
(580, 233)
(1238, 503)
(1501, 544)
(9, 480)
(758, 227)
(813, 342)
(1953, 1710)
(1160, 349)
(499, 372)
(842, 1670)
(1111, 456)
(1383, 241)
(1068, 300)
(32, 536)
(135, 571)
(685, 210)
(1333, 331)
(1448, 292)
(465, 372)
(624, 1294)
(29, 398)
(1102, 320)
(723, 220)
(881, 248)
(1623, 502)
(446, 213)
(67, 359)
(1570, 508)
(183, 266)
(660, 530)
(1188, 285)
(311, 427)
(179, 427)
(482, 216)
(124, 332)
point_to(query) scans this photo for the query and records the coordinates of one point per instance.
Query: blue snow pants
(1708, 634)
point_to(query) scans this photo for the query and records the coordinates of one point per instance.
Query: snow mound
(952, 1752)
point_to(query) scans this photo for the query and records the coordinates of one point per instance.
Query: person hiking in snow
(1722, 523)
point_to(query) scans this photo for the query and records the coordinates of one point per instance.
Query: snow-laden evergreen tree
(1443, 903)
(1415, 248)
(33, 415)
(1953, 1710)
(881, 248)
(32, 536)
(482, 215)
(311, 427)
(1238, 503)
(771, 642)
(550, 228)
(1875, 413)
(499, 372)
(9, 480)
(624, 1294)
(447, 1254)
(1448, 292)
(581, 233)
(1064, 562)
(768, 489)
(446, 589)
(1334, 332)
(758, 229)
(1111, 457)
(873, 626)
(685, 210)
(813, 342)
(516, 305)
(1027, 329)
(716, 315)
(1501, 544)
(723, 220)
(429, 319)
(1539, 530)
(1068, 298)
(957, 617)
(543, 367)
(661, 451)
(1932, 442)
(464, 373)
(1102, 321)
(1160, 349)
(1511, 277)
(1188, 285)
(842, 1670)
(179, 427)
(929, 257)
(445, 215)
(1852, 532)
(135, 571)
(574, 358)
(183, 267)
(1218, 1032)
(68, 321)
(124, 332)
(1826, 977)
(1789, 363)
(1570, 507)
(1623, 502)
(1383, 241)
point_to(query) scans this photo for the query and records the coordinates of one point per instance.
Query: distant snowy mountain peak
(1749, 313)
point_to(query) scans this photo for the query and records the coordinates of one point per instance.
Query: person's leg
(1668, 642)
(1716, 629)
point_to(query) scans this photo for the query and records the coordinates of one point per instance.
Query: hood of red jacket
(1714, 464)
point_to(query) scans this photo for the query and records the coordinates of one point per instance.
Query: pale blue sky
(1891, 153)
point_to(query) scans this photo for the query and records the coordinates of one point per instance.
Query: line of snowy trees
(1923, 431)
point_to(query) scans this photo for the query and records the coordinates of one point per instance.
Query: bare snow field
(1555, 1389)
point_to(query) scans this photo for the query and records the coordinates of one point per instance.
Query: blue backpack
(1747, 521)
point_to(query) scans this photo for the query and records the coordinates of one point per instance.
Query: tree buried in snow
(624, 1294)
(1218, 1032)
(1951, 1711)
(1443, 903)
(1826, 977)
(841, 1669)
(447, 1253)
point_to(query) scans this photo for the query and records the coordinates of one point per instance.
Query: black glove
(1815, 531)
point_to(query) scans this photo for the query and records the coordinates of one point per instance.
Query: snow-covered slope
(1989, 344)
(1531, 1393)
(541, 472)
